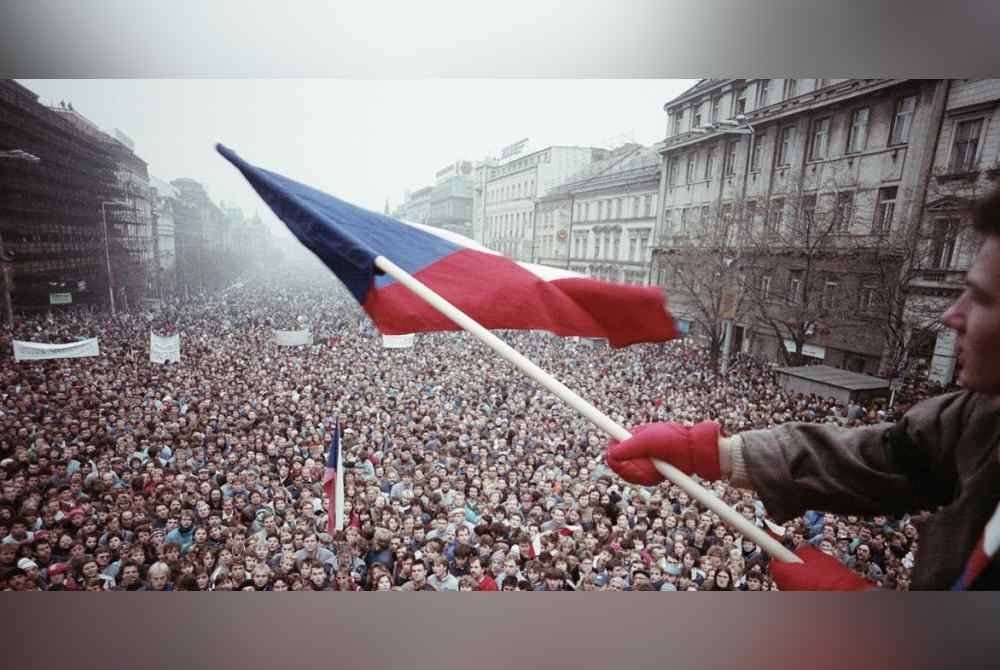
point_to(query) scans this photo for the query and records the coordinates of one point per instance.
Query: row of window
(820, 146)
(513, 224)
(607, 245)
(842, 216)
(614, 208)
(524, 189)
(737, 103)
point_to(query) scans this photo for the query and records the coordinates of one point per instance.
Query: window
(966, 145)
(678, 120)
(903, 120)
(765, 287)
(795, 286)
(672, 174)
(944, 239)
(643, 246)
(857, 136)
(604, 209)
(843, 212)
(600, 241)
(885, 209)
(648, 205)
(618, 208)
(740, 102)
(703, 219)
(749, 215)
(785, 146)
(692, 164)
(635, 207)
(757, 151)
(668, 222)
(684, 221)
(633, 248)
(830, 294)
(696, 116)
(809, 210)
(820, 143)
(716, 109)
(616, 239)
(867, 299)
(790, 86)
(729, 166)
(709, 160)
(775, 217)
(762, 92)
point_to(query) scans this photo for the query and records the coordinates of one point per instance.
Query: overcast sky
(363, 141)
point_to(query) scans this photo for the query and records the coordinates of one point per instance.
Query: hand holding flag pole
(733, 518)
(476, 288)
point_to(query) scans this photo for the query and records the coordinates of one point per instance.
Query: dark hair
(986, 214)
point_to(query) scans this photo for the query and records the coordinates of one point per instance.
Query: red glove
(818, 572)
(694, 451)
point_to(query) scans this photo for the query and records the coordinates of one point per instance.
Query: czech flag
(492, 289)
(333, 484)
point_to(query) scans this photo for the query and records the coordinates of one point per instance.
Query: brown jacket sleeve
(883, 469)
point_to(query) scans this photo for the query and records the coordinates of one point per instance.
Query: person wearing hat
(57, 577)
(942, 455)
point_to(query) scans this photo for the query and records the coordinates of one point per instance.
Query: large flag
(494, 290)
(333, 484)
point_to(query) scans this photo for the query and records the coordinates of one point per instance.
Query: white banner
(40, 351)
(398, 341)
(163, 349)
(293, 338)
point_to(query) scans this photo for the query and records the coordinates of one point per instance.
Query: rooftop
(844, 379)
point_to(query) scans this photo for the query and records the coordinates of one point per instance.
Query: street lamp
(6, 261)
(107, 251)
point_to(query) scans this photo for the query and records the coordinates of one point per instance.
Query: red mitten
(817, 572)
(693, 451)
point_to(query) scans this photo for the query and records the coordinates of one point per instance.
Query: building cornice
(800, 104)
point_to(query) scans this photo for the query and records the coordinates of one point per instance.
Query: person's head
(129, 574)
(261, 576)
(476, 568)
(383, 583)
(975, 316)
(418, 572)
(159, 574)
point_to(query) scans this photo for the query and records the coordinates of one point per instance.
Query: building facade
(53, 178)
(509, 190)
(814, 183)
(451, 198)
(165, 249)
(966, 165)
(601, 220)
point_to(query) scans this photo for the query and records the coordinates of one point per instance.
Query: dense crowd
(460, 474)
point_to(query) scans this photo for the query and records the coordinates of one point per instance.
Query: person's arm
(886, 468)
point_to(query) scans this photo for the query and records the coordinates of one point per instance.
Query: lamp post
(7, 261)
(107, 250)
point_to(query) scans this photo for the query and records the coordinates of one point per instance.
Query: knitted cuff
(739, 476)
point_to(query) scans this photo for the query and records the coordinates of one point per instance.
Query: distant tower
(386, 210)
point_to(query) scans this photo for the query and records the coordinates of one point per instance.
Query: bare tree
(701, 272)
(809, 263)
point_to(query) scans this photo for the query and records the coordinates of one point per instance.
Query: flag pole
(733, 518)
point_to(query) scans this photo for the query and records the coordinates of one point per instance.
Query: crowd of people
(460, 473)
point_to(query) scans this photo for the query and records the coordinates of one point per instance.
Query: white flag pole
(733, 518)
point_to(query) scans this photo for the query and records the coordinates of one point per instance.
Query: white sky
(361, 140)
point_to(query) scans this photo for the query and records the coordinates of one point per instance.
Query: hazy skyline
(362, 140)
